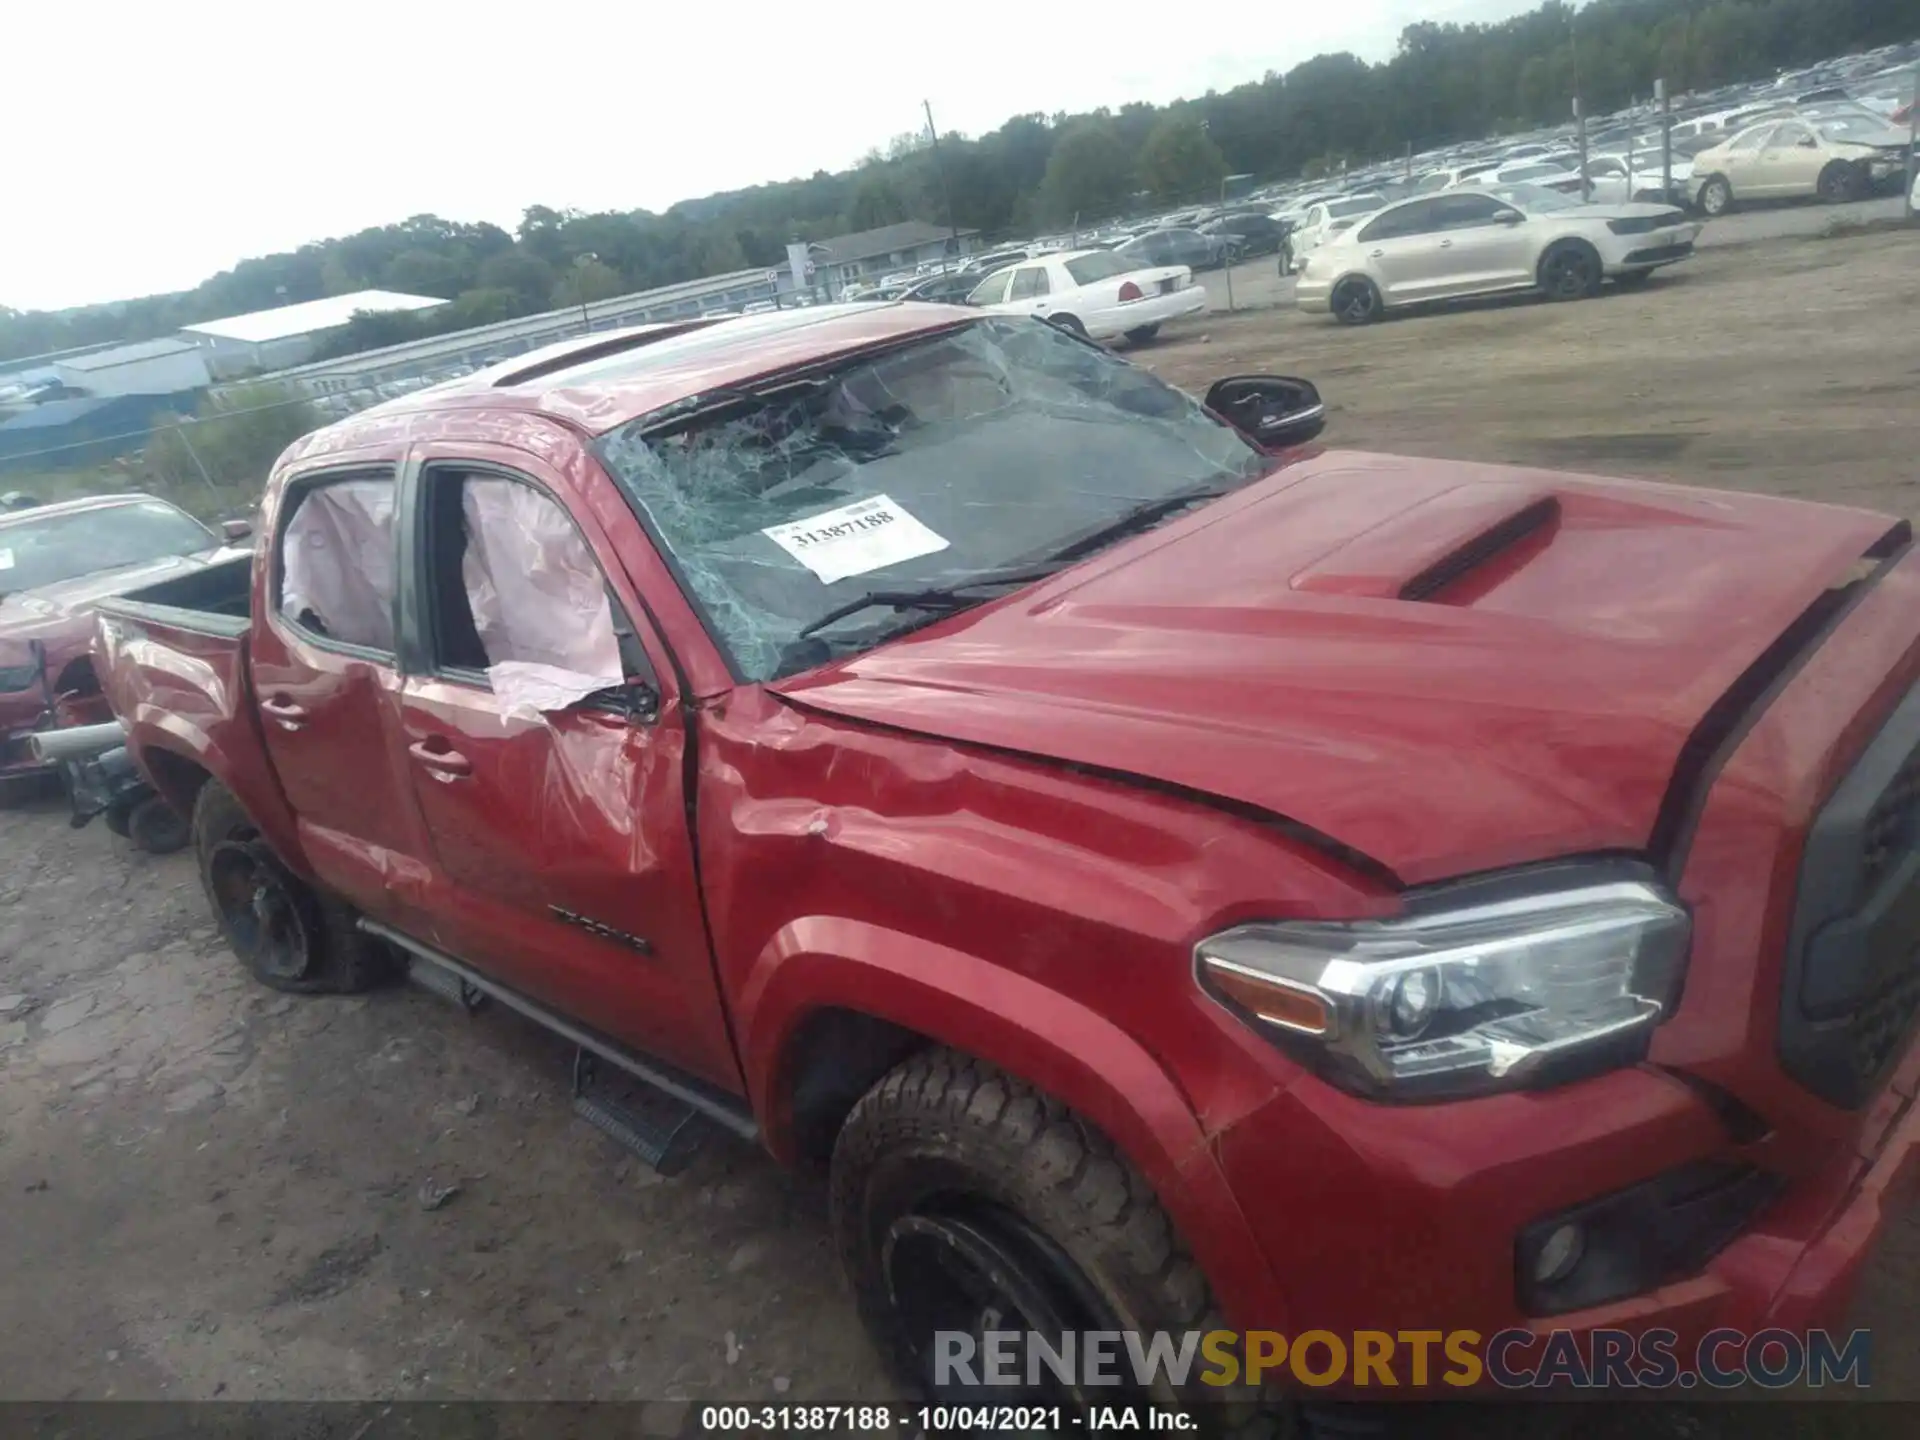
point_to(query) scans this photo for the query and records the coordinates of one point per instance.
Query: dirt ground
(209, 1190)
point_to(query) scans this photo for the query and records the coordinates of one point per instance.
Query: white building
(150, 367)
(287, 335)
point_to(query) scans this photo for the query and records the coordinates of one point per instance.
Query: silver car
(1486, 240)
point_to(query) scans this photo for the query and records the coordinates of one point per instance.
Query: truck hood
(1444, 667)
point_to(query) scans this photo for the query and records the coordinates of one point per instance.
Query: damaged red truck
(1171, 875)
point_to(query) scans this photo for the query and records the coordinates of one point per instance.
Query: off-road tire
(943, 1126)
(341, 960)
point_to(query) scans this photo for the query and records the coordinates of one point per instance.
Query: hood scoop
(1431, 547)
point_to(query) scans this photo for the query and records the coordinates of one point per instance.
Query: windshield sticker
(855, 539)
(6, 559)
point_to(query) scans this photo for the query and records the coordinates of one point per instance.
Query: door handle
(441, 764)
(1377, 255)
(284, 713)
(1446, 244)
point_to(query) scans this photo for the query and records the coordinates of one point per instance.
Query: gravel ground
(215, 1191)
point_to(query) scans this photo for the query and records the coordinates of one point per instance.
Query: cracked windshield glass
(990, 448)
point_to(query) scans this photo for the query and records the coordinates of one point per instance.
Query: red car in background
(56, 562)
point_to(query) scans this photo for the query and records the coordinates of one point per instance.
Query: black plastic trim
(1855, 939)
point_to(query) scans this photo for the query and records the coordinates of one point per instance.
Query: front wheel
(1841, 182)
(1069, 323)
(1571, 271)
(1356, 301)
(1140, 334)
(965, 1201)
(1716, 196)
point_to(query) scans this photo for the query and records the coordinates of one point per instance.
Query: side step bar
(696, 1096)
(666, 1143)
(432, 976)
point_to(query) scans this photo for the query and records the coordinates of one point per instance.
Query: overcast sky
(149, 146)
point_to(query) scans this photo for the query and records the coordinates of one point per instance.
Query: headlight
(1488, 986)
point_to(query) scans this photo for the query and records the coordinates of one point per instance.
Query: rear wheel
(1356, 301)
(1632, 279)
(1571, 270)
(1716, 196)
(287, 934)
(1140, 334)
(965, 1201)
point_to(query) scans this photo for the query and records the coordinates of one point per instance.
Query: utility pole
(1666, 138)
(1913, 139)
(933, 134)
(1579, 110)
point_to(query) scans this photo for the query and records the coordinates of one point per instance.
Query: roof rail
(555, 361)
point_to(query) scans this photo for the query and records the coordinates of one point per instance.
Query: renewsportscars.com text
(1413, 1359)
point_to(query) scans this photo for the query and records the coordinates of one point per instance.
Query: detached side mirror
(236, 529)
(1273, 411)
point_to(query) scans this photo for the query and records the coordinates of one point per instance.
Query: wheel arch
(178, 759)
(832, 1005)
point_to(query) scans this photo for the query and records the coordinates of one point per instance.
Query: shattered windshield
(949, 458)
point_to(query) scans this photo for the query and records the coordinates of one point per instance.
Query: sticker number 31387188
(854, 539)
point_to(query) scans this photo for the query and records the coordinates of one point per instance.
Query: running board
(666, 1141)
(432, 976)
(726, 1111)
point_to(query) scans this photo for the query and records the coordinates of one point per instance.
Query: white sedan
(1093, 292)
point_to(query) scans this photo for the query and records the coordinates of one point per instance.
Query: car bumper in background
(1153, 310)
(1313, 293)
(1643, 252)
(1658, 254)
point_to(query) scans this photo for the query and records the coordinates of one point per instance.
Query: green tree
(586, 280)
(1089, 174)
(1180, 159)
(524, 273)
(878, 201)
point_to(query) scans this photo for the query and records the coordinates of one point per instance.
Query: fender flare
(982, 1008)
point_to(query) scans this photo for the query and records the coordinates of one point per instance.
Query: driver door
(563, 860)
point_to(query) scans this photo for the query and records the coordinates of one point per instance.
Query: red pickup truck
(1172, 874)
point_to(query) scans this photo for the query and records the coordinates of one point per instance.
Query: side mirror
(1273, 411)
(236, 529)
(1512, 217)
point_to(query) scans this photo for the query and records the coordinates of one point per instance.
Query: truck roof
(599, 382)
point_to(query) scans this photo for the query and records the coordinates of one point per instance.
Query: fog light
(1560, 1253)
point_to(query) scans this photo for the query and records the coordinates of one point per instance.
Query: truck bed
(215, 600)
